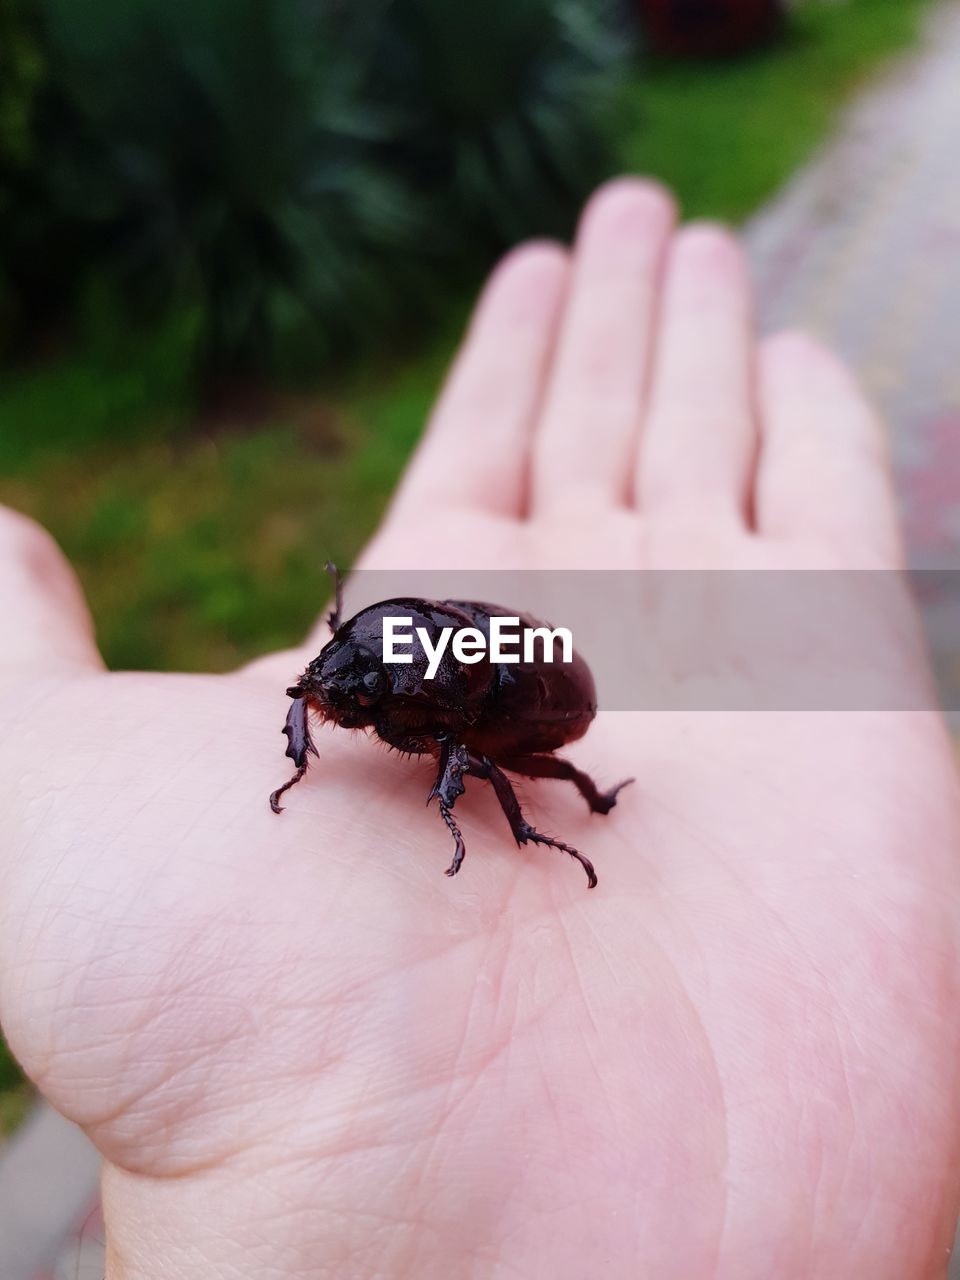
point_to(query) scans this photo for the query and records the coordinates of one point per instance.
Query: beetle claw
(459, 847)
(275, 804)
(536, 837)
(609, 798)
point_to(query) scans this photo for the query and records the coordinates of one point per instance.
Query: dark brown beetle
(475, 719)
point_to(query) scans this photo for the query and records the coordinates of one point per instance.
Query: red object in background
(709, 28)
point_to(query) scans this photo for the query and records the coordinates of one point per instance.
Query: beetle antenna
(336, 616)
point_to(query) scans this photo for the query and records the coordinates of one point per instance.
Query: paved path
(48, 1194)
(863, 247)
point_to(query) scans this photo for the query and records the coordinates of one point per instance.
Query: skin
(305, 1052)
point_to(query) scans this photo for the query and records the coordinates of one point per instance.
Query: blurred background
(239, 240)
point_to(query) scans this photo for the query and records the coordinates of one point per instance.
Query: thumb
(45, 624)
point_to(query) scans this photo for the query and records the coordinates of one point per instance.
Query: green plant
(22, 70)
(15, 1094)
(506, 109)
(9, 1071)
(303, 176)
(223, 163)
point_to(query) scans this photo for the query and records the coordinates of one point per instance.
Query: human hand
(305, 1052)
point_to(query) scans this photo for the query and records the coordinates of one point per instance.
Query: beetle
(476, 719)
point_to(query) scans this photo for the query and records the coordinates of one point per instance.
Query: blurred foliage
(9, 1072)
(507, 109)
(199, 549)
(15, 1102)
(299, 174)
(22, 71)
(15, 1095)
(121, 385)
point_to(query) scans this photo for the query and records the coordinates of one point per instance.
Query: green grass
(726, 135)
(15, 1095)
(202, 545)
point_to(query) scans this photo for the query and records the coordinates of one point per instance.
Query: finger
(46, 623)
(584, 447)
(697, 447)
(824, 470)
(475, 451)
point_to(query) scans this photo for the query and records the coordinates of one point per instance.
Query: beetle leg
(275, 795)
(543, 766)
(454, 762)
(443, 756)
(459, 849)
(299, 746)
(523, 832)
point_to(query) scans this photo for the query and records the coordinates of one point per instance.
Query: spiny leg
(453, 763)
(299, 745)
(459, 850)
(275, 795)
(543, 766)
(523, 832)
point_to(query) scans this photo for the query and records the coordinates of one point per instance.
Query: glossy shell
(494, 708)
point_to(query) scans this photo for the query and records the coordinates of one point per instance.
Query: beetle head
(344, 682)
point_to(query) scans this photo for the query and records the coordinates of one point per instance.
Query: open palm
(305, 1052)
